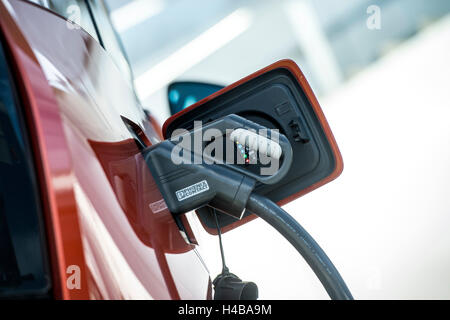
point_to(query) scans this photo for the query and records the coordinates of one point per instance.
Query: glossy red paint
(98, 194)
(45, 125)
(293, 68)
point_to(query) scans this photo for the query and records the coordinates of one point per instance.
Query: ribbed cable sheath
(304, 243)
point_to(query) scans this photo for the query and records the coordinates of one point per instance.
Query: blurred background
(381, 71)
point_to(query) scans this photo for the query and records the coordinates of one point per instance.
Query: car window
(93, 17)
(24, 270)
(110, 39)
(74, 10)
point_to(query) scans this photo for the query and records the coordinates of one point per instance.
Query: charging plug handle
(187, 187)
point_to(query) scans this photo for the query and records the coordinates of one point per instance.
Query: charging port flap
(276, 97)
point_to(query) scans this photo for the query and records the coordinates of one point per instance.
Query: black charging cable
(290, 229)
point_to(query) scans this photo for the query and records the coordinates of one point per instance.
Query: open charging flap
(276, 97)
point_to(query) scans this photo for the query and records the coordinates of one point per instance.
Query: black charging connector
(189, 185)
(186, 187)
(189, 179)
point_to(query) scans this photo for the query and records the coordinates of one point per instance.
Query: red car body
(97, 193)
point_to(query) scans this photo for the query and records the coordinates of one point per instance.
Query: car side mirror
(276, 97)
(184, 94)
